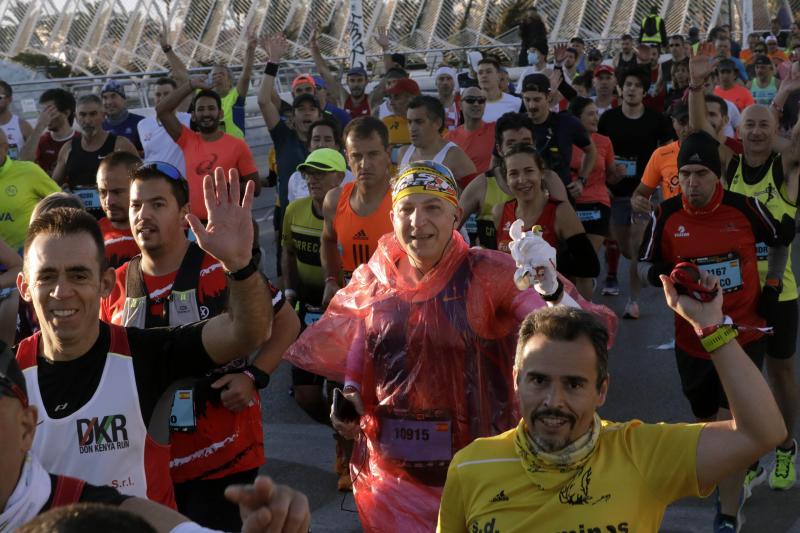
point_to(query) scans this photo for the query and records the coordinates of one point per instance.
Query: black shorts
(621, 210)
(595, 218)
(302, 377)
(781, 344)
(700, 381)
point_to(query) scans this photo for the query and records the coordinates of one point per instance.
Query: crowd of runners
(438, 293)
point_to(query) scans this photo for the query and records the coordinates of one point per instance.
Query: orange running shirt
(662, 170)
(357, 236)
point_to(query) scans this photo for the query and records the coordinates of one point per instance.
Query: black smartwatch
(259, 377)
(166, 49)
(246, 272)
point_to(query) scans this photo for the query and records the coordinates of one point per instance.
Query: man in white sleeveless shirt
(97, 386)
(426, 123)
(17, 129)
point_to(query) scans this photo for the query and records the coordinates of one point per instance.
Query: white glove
(535, 259)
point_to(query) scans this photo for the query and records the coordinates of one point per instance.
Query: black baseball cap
(536, 82)
(400, 59)
(12, 382)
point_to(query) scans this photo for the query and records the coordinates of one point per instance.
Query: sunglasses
(474, 100)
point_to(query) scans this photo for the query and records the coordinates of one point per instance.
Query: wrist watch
(259, 377)
(166, 49)
(244, 273)
(556, 295)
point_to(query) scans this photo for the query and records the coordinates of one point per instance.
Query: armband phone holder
(686, 278)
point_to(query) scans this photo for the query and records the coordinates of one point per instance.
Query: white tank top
(14, 134)
(103, 442)
(438, 158)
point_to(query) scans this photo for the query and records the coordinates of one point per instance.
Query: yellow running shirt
(301, 234)
(634, 472)
(22, 185)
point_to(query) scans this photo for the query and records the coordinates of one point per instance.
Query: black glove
(768, 304)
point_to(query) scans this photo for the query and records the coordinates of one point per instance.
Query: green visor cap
(323, 160)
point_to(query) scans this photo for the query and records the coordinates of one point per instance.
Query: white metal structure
(121, 36)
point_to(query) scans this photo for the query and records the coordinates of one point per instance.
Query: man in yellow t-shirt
(564, 469)
(22, 185)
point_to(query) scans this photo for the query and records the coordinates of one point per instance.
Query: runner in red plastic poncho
(424, 338)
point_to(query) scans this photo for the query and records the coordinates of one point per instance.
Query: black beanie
(700, 148)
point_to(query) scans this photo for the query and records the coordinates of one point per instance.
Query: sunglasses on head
(164, 168)
(475, 100)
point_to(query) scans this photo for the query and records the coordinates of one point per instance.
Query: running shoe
(753, 478)
(611, 287)
(784, 475)
(725, 524)
(631, 310)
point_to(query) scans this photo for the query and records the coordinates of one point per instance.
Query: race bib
(416, 438)
(588, 216)
(726, 267)
(13, 151)
(89, 197)
(181, 417)
(471, 225)
(628, 166)
(762, 251)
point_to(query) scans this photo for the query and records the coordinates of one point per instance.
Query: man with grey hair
(79, 159)
(548, 473)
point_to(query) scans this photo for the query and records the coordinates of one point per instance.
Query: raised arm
(177, 67)
(382, 38)
(28, 151)
(275, 46)
(165, 110)
(701, 65)
(728, 446)
(228, 236)
(336, 92)
(243, 85)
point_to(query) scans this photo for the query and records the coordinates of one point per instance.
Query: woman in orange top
(559, 222)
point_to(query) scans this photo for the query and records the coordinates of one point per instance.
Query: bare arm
(275, 46)
(285, 329)
(471, 198)
(228, 237)
(757, 426)
(165, 110)
(376, 96)
(497, 214)
(336, 92)
(12, 262)
(459, 162)
(178, 68)
(28, 150)
(291, 278)
(26, 128)
(243, 86)
(329, 249)
(640, 200)
(123, 144)
(60, 172)
(382, 38)
(554, 186)
(700, 67)
(160, 517)
(567, 222)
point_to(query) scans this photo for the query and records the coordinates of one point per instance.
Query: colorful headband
(426, 177)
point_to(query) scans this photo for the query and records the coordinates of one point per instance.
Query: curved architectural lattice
(119, 36)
